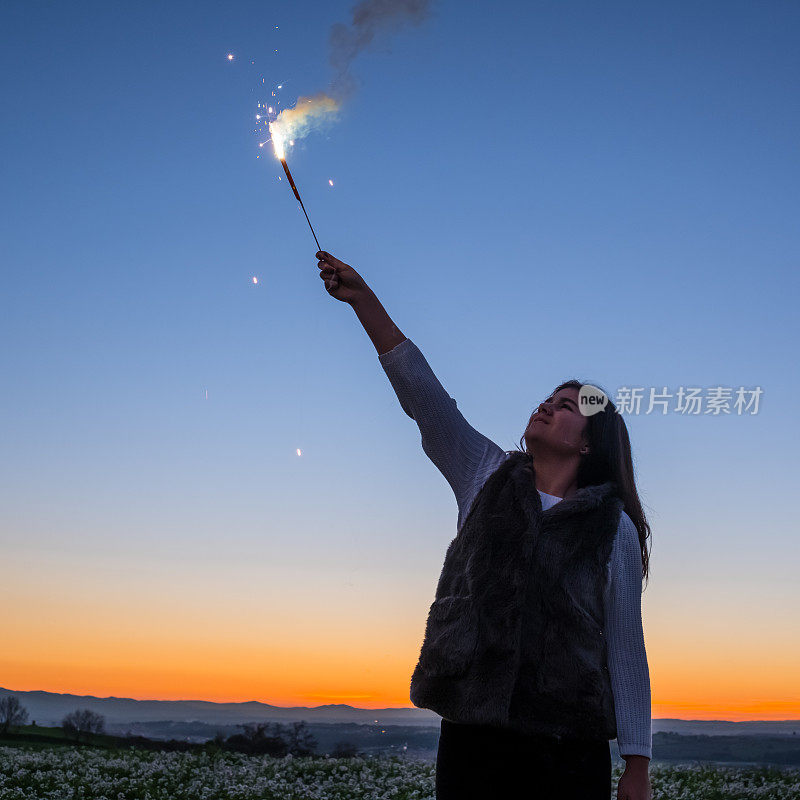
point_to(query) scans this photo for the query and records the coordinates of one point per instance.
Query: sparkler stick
(297, 195)
(277, 144)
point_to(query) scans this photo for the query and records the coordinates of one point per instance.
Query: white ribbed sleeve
(627, 658)
(466, 458)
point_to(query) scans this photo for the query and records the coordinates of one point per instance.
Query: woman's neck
(557, 477)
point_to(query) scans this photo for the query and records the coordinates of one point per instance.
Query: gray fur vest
(514, 638)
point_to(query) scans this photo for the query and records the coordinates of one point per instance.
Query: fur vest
(514, 638)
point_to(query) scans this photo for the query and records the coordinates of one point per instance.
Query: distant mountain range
(49, 708)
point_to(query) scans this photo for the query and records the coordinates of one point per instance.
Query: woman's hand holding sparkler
(341, 280)
(345, 284)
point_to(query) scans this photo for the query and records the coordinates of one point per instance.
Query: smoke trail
(307, 114)
(371, 18)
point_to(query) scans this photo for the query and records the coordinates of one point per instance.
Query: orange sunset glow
(88, 637)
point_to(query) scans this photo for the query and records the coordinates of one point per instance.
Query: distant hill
(721, 727)
(49, 708)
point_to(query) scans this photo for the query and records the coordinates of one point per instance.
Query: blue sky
(535, 191)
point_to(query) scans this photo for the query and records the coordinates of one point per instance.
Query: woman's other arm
(627, 657)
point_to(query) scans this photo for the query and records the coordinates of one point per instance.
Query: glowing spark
(230, 56)
(330, 181)
(258, 116)
(277, 140)
(291, 142)
(270, 109)
(280, 86)
(299, 452)
(255, 280)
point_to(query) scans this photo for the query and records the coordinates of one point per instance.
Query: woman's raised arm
(462, 454)
(345, 284)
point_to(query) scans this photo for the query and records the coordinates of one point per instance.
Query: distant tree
(79, 724)
(344, 750)
(259, 738)
(12, 713)
(300, 740)
(255, 730)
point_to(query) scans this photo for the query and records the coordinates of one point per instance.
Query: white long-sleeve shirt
(467, 458)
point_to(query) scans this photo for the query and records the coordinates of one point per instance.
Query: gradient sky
(536, 191)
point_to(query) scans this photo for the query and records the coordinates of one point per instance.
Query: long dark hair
(609, 459)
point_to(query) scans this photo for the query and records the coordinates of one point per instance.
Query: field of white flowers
(64, 773)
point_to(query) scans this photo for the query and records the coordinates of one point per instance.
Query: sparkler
(280, 154)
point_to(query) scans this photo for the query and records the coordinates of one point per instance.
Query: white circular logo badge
(591, 400)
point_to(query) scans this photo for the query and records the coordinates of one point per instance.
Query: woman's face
(557, 424)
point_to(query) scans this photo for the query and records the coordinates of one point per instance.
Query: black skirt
(480, 761)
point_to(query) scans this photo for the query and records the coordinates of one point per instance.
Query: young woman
(534, 651)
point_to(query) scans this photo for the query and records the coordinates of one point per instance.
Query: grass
(64, 772)
(43, 736)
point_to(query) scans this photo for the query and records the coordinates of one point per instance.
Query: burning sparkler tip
(230, 56)
(255, 279)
